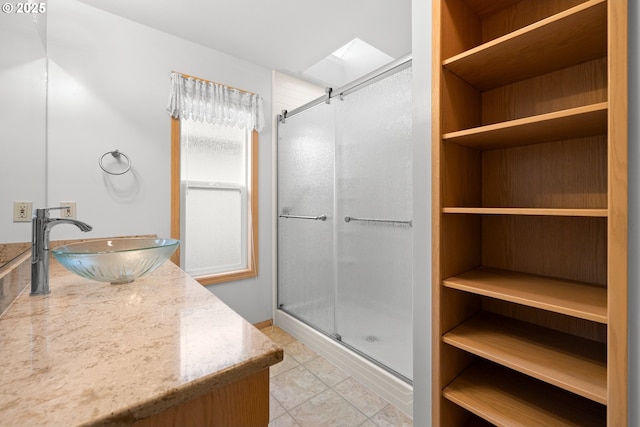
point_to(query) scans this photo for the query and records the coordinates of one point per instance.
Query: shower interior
(344, 217)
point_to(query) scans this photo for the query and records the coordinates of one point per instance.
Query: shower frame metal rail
(388, 221)
(379, 74)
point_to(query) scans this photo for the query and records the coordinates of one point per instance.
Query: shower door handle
(315, 218)
(388, 221)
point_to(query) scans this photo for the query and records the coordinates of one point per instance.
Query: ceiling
(283, 35)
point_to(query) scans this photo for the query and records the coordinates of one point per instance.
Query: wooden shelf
(509, 399)
(576, 35)
(477, 422)
(575, 364)
(599, 213)
(575, 299)
(578, 122)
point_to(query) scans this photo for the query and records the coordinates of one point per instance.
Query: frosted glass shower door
(306, 279)
(374, 244)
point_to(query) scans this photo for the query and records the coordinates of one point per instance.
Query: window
(214, 207)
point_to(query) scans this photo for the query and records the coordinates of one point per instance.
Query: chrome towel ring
(117, 154)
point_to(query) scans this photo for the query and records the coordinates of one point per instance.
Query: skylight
(347, 63)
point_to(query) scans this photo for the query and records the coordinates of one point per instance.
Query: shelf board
(568, 38)
(577, 122)
(575, 299)
(508, 399)
(599, 213)
(572, 363)
(477, 422)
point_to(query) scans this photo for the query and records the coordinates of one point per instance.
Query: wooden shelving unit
(573, 363)
(560, 296)
(573, 123)
(508, 399)
(530, 210)
(567, 38)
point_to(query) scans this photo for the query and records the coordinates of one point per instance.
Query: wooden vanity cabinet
(530, 212)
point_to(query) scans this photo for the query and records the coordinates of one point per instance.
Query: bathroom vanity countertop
(93, 353)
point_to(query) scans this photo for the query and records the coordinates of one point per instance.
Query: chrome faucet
(41, 227)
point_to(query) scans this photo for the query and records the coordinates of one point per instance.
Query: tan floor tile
(360, 396)
(368, 423)
(300, 352)
(277, 335)
(276, 410)
(329, 373)
(287, 363)
(284, 421)
(327, 409)
(391, 416)
(295, 386)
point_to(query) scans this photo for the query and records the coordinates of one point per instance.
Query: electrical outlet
(22, 211)
(70, 212)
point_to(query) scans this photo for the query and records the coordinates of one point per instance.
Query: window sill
(227, 277)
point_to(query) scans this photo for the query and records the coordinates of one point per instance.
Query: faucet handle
(44, 212)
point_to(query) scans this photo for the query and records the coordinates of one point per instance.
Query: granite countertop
(94, 353)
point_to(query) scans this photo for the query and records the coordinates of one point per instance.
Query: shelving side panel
(618, 214)
(561, 247)
(461, 244)
(461, 176)
(461, 28)
(461, 104)
(567, 174)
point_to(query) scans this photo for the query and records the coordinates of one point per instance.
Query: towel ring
(117, 155)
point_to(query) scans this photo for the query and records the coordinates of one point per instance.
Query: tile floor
(309, 391)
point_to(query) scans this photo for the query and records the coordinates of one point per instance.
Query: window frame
(252, 200)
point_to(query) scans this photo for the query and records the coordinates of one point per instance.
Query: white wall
(290, 92)
(109, 88)
(634, 214)
(22, 120)
(421, 47)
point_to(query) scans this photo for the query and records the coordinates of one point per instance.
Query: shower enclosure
(344, 216)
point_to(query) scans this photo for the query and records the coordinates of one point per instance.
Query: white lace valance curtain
(214, 103)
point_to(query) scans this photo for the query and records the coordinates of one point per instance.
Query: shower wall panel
(350, 275)
(306, 156)
(374, 258)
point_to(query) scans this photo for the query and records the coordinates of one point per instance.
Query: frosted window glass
(215, 174)
(213, 232)
(213, 153)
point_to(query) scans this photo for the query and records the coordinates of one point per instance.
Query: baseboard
(264, 324)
